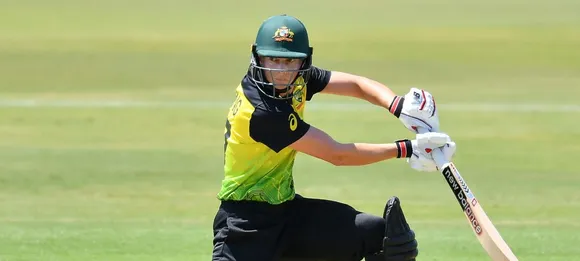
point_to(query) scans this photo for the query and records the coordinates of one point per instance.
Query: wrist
(404, 148)
(397, 105)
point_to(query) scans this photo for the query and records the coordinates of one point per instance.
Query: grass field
(112, 112)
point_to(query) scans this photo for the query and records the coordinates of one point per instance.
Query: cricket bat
(481, 225)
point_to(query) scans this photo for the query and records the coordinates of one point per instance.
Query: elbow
(337, 158)
(362, 82)
(336, 161)
(341, 163)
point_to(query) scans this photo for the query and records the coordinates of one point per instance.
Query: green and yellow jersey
(258, 162)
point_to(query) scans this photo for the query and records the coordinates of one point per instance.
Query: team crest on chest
(283, 34)
(299, 96)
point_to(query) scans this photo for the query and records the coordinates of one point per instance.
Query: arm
(318, 144)
(351, 85)
(278, 130)
(416, 109)
(285, 129)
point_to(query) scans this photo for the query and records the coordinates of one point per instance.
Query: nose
(279, 65)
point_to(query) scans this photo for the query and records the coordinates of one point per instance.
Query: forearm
(318, 144)
(375, 92)
(357, 154)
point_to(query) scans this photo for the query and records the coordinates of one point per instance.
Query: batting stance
(260, 217)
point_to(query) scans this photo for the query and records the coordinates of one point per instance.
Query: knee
(395, 239)
(372, 230)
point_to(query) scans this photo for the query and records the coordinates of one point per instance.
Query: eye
(277, 60)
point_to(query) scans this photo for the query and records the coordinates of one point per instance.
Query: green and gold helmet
(280, 36)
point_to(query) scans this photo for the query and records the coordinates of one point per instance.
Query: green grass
(139, 183)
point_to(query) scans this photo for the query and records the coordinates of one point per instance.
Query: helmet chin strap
(286, 93)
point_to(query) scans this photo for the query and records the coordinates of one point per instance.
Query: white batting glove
(425, 163)
(416, 110)
(418, 151)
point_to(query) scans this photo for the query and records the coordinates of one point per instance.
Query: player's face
(280, 79)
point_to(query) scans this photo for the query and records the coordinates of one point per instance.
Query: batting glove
(416, 110)
(418, 151)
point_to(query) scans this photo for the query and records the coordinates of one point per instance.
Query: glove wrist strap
(404, 148)
(397, 105)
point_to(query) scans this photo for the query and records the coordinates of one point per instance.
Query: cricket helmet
(280, 36)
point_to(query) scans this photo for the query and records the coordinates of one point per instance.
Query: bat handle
(437, 153)
(439, 158)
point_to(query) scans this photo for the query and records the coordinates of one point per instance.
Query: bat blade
(480, 223)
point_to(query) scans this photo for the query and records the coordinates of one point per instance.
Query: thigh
(244, 232)
(330, 230)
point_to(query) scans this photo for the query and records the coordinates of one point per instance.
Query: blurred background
(112, 118)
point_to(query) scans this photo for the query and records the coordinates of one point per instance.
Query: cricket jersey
(257, 160)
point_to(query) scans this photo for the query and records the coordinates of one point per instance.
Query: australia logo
(298, 94)
(283, 34)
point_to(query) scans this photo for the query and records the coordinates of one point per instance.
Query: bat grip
(437, 153)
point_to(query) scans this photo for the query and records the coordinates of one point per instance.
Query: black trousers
(300, 229)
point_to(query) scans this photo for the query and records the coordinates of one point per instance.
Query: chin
(282, 87)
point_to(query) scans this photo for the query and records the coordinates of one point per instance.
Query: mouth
(281, 81)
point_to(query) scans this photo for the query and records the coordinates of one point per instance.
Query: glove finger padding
(449, 150)
(416, 109)
(424, 162)
(430, 140)
(399, 242)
